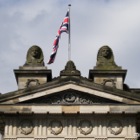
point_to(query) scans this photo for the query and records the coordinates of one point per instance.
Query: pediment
(71, 97)
(69, 93)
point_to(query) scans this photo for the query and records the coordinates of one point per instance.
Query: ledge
(52, 109)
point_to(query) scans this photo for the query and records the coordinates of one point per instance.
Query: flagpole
(69, 38)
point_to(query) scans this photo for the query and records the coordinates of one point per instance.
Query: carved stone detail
(69, 97)
(85, 127)
(56, 127)
(74, 97)
(70, 69)
(105, 59)
(26, 127)
(32, 82)
(109, 82)
(34, 56)
(118, 127)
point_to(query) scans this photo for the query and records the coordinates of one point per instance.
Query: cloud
(94, 23)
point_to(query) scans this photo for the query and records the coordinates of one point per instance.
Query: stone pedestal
(32, 76)
(113, 78)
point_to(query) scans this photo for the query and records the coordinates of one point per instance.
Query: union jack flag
(63, 28)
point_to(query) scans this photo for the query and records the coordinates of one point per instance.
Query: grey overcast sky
(94, 23)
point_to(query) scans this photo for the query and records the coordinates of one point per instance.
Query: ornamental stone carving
(74, 97)
(85, 127)
(34, 56)
(26, 127)
(109, 82)
(115, 127)
(70, 69)
(70, 97)
(32, 82)
(105, 59)
(56, 127)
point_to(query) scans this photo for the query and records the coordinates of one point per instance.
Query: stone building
(70, 107)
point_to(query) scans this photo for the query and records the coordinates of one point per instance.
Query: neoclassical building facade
(70, 106)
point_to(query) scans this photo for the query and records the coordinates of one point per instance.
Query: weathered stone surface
(69, 127)
(71, 97)
(32, 76)
(70, 70)
(73, 109)
(105, 59)
(33, 73)
(95, 90)
(107, 72)
(34, 56)
(70, 107)
(112, 78)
